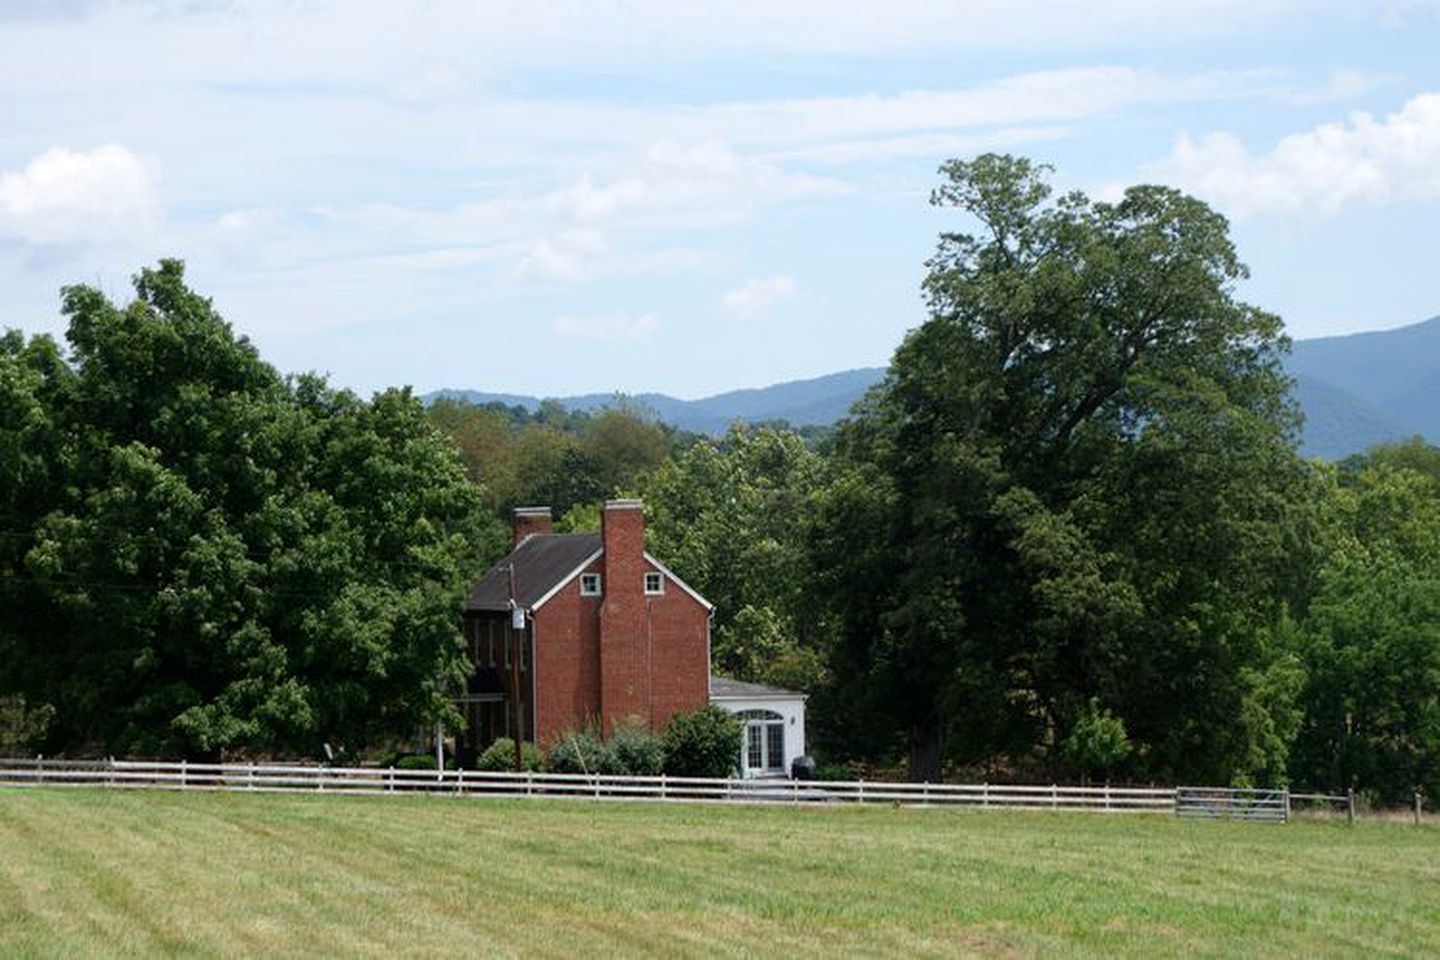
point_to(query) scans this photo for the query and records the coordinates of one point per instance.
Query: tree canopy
(1080, 469)
(200, 555)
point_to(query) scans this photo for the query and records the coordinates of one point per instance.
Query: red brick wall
(567, 655)
(679, 654)
(623, 654)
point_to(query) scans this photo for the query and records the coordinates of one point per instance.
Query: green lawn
(93, 872)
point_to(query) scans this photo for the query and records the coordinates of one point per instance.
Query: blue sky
(683, 197)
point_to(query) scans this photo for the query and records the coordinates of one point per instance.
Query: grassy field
(93, 872)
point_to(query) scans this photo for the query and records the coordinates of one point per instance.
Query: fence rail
(294, 778)
(1214, 803)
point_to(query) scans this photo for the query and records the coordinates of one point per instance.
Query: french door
(764, 744)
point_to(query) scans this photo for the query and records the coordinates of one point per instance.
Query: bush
(633, 751)
(414, 761)
(705, 743)
(500, 756)
(577, 751)
(21, 726)
(1098, 741)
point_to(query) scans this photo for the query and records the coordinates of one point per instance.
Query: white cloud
(103, 195)
(754, 299)
(606, 326)
(429, 86)
(342, 41)
(1363, 161)
(920, 145)
(686, 185)
(595, 227)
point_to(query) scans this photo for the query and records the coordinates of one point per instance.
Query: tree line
(1068, 535)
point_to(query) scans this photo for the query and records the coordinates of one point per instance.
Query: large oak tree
(1074, 490)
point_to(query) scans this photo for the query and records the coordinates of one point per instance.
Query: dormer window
(589, 584)
(654, 584)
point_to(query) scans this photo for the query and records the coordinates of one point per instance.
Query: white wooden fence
(282, 778)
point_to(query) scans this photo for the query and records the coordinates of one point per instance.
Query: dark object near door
(802, 768)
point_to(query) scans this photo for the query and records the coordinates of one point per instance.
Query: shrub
(577, 751)
(634, 751)
(500, 756)
(414, 761)
(705, 743)
(1098, 741)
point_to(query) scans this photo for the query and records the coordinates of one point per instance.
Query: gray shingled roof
(541, 562)
(725, 687)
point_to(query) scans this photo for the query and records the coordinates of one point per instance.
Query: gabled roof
(545, 562)
(542, 562)
(724, 688)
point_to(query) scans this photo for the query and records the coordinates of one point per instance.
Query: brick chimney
(624, 673)
(528, 520)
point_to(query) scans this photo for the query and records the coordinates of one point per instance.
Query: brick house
(589, 627)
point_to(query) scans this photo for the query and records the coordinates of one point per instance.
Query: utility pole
(517, 632)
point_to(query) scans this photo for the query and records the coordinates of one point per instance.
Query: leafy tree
(1076, 481)
(554, 457)
(1371, 641)
(732, 519)
(623, 442)
(222, 559)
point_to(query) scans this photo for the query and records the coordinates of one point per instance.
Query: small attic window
(654, 584)
(589, 584)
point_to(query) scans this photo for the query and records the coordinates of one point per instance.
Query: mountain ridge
(1356, 390)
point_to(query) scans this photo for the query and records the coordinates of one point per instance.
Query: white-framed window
(589, 584)
(654, 584)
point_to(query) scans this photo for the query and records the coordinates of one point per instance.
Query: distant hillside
(818, 401)
(1356, 391)
(1366, 388)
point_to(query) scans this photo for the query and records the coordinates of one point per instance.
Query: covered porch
(774, 720)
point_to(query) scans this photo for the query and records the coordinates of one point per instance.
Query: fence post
(1054, 797)
(662, 785)
(985, 794)
(1107, 794)
(862, 790)
(389, 779)
(1287, 804)
(250, 776)
(1417, 808)
(925, 793)
(1350, 805)
(184, 775)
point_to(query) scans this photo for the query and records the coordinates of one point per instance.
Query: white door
(764, 753)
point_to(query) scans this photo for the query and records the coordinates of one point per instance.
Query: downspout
(534, 672)
(649, 665)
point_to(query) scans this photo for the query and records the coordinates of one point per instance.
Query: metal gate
(1227, 803)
